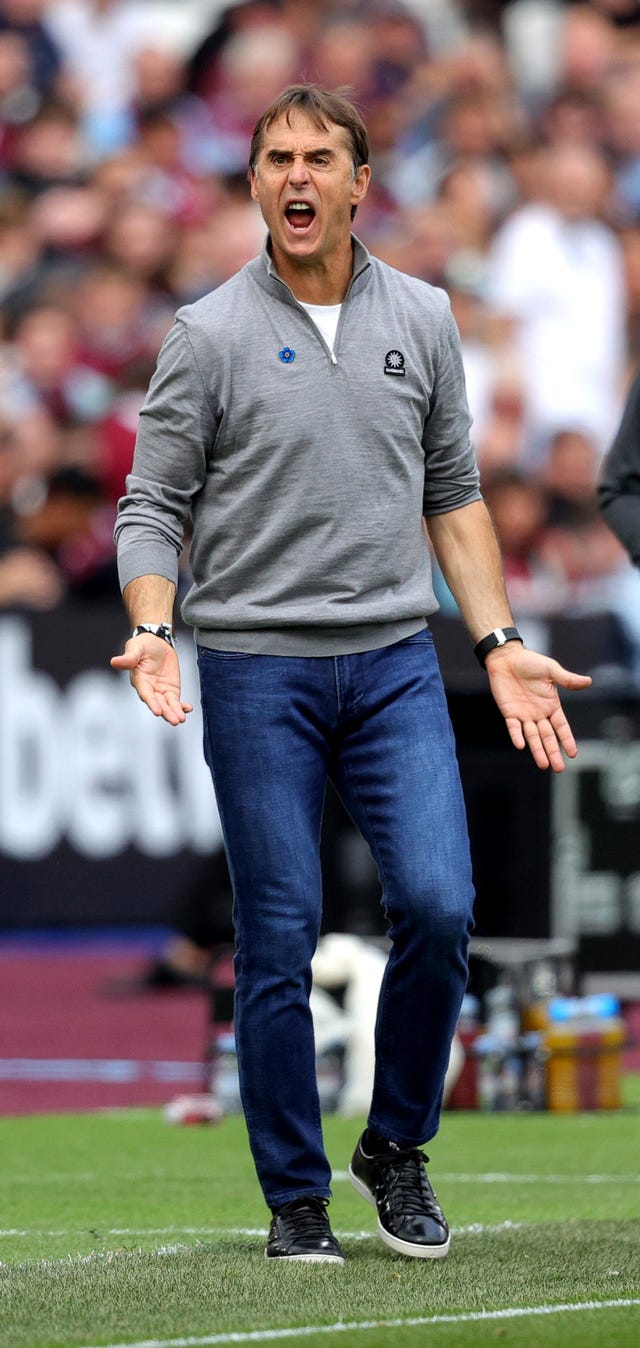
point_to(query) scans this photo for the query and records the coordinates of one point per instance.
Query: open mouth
(300, 215)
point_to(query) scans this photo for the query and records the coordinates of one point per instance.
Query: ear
(360, 185)
(253, 183)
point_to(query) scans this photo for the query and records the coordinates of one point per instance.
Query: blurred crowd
(506, 168)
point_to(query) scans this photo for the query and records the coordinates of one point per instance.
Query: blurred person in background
(587, 47)
(119, 318)
(28, 578)
(28, 20)
(570, 474)
(141, 240)
(48, 149)
(212, 251)
(420, 238)
(555, 269)
(345, 53)
(493, 373)
(320, 396)
(255, 60)
(45, 343)
(19, 255)
(98, 42)
(71, 526)
(519, 510)
(572, 117)
(620, 128)
(19, 96)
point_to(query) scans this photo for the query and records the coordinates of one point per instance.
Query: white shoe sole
(394, 1243)
(304, 1258)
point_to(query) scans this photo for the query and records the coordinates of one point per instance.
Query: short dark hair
(322, 107)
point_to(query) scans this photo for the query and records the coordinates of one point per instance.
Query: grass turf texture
(121, 1229)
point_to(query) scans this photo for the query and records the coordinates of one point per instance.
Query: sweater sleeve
(451, 472)
(176, 434)
(619, 487)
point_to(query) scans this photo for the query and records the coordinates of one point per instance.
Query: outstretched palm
(155, 674)
(525, 687)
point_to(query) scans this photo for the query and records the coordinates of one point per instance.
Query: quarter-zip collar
(263, 271)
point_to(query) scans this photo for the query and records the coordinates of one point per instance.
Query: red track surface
(57, 1005)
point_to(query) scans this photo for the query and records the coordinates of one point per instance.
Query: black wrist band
(499, 637)
(162, 630)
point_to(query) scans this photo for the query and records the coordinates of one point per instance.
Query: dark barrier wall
(103, 809)
(107, 816)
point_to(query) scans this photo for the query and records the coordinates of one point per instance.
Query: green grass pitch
(120, 1229)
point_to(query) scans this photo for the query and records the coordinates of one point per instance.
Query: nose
(298, 171)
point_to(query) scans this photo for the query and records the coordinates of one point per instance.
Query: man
(307, 414)
(619, 486)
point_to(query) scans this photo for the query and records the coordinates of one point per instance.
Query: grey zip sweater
(305, 474)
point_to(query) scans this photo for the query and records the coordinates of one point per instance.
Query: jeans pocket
(206, 653)
(422, 638)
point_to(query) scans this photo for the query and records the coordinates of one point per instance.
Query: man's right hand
(154, 671)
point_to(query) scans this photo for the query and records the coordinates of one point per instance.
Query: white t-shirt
(325, 317)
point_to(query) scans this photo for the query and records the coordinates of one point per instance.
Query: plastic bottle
(584, 1041)
(503, 1032)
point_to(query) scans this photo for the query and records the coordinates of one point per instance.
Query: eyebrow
(308, 154)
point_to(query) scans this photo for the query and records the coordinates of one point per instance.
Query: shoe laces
(404, 1184)
(305, 1217)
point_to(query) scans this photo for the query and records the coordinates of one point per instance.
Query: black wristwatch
(162, 630)
(499, 637)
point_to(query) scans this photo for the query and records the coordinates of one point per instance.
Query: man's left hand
(525, 687)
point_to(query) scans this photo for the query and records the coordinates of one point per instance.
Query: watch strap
(499, 637)
(162, 630)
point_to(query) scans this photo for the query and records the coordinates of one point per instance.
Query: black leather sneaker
(300, 1230)
(410, 1220)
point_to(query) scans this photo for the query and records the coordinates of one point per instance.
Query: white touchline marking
(345, 1327)
(473, 1229)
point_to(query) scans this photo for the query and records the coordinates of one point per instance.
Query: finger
(550, 746)
(173, 710)
(532, 737)
(173, 715)
(566, 677)
(564, 733)
(515, 730)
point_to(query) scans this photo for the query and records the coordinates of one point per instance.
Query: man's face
(305, 186)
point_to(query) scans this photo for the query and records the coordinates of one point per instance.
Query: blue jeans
(377, 724)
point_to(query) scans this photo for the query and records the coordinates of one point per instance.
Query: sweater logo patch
(287, 355)
(394, 363)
